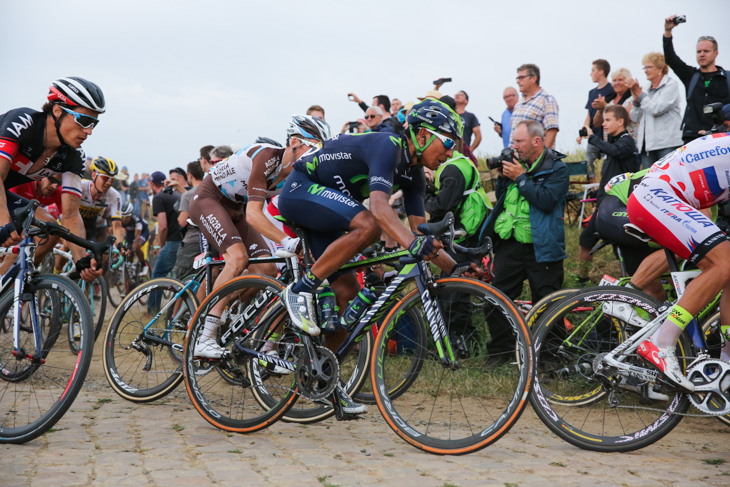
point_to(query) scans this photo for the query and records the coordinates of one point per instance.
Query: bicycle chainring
(711, 378)
(312, 384)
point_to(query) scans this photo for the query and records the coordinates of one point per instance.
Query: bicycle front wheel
(577, 404)
(144, 363)
(35, 393)
(223, 391)
(465, 403)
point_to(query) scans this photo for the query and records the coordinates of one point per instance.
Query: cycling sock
(675, 324)
(633, 286)
(307, 284)
(211, 326)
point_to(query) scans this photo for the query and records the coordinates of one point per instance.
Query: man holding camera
(707, 84)
(531, 238)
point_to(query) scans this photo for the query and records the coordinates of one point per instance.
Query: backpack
(474, 206)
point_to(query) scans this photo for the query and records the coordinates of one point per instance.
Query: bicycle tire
(541, 307)
(566, 394)
(115, 281)
(410, 343)
(433, 414)
(31, 406)
(138, 369)
(228, 402)
(96, 303)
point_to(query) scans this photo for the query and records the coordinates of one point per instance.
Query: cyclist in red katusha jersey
(35, 145)
(665, 205)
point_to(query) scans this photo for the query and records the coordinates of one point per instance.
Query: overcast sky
(178, 75)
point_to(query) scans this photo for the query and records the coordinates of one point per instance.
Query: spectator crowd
(630, 123)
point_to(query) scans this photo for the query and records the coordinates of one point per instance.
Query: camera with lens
(583, 132)
(714, 110)
(507, 155)
(679, 19)
(167, 189)
(352, 126)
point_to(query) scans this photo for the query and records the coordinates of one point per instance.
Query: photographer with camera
(529, 232)
(707, 84)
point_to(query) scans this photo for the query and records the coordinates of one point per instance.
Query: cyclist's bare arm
(4, 213)
(255, 216)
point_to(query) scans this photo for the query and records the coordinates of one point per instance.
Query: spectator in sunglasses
(37, 144)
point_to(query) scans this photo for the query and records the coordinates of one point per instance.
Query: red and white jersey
(699, 172)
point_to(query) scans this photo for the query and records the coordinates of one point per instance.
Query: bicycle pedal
(348, 417)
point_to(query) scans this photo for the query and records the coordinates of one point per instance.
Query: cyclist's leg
(692, 236)
(328, 213)
(257, 248)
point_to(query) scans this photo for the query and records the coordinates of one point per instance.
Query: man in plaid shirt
(536, 104)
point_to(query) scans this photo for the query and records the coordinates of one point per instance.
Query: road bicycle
(39, 380)
(591, 387)
(439, 394)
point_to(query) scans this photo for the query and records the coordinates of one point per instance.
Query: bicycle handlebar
(446, 225)
(26, 215)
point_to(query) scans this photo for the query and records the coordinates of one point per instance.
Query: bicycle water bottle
(357, 307)
(328, 310)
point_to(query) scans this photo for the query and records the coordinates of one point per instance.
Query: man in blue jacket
(530, 237)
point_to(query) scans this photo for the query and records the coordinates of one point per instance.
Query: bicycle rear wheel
(223, 391)
(573, 401)
(471, 402)
(145, 365)
(35, 394)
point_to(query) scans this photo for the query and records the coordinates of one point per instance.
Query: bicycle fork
(435, 319)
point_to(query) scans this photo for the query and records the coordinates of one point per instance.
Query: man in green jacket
(530, 237)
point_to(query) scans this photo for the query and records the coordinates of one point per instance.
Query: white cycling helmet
(308, 127)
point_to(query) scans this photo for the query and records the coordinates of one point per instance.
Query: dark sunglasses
(368, 117)
(86, 121)
(54, 180)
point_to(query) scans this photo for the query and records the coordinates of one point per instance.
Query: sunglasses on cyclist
(104, 178)
(86, 121)
(448, 142)
(54, 180)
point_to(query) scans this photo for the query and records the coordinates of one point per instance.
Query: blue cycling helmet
(437, 116)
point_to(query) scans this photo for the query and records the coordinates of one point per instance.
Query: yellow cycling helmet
(105, 166)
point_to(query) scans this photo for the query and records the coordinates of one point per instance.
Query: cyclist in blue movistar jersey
(35, 145)
(325, 190)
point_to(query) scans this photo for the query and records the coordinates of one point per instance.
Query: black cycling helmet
(77, 92)
(126, 209)
(105, 166)
(308, 127)
(434, 115)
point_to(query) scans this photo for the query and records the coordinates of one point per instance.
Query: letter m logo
(316, 189)
(311, 166)
(397, 141)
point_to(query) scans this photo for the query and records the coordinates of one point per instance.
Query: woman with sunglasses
(35, 145)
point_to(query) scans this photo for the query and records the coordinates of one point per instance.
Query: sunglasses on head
(86, 121)
(448, 142)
